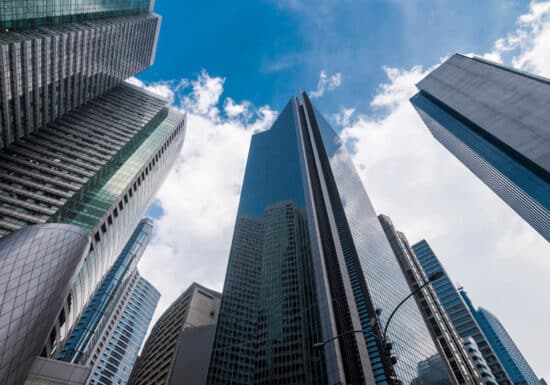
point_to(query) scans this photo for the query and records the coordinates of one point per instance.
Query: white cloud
(326, 83)
(199, 198)
(528, 46)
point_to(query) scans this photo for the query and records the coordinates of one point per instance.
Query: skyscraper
(310, 270)
(517, 367)
(77, 144)
(56, 55)
(107, 298)
(496, 121)
(179, 346)
(118, 347)
(463, 320)
(451, 349)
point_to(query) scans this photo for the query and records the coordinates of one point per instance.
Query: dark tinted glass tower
(496, 121)
(310, 261)
(517, 367)
(462, 318)
(447, 340)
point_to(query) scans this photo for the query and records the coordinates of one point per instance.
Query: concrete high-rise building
(462, 318)
(311, 278)
(106, 301)
(56, 55)
(496, 121)
(117, 348)
(180, 344)
(450, 346)
(517, 367)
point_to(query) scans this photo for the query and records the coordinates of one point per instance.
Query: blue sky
(231, 65)
(269, 50)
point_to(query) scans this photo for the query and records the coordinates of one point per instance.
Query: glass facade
(310, 261)
(48, 72)
(496, 121)
(117, 350)
(450, 347)
(32, 292)
(517, 368)
(104, 302)
(26, 14)
(463, 320)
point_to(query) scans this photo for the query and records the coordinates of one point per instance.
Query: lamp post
(433, 277)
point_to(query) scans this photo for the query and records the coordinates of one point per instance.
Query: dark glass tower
(462, 318)
(496, 121)
(309, 261)
(517, 367)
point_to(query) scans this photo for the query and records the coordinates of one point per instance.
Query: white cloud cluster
(199, 198)
(326, 83)
(528, 46)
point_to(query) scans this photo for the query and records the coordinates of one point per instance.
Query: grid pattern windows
(26, 14)
(47, 72)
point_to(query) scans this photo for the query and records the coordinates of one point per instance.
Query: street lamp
(433, 277)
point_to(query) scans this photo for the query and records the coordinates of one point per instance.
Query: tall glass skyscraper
(496, 121)
(77, 144)
(462, 318)
(309, 261)
(517, 367)
(91, 325)
(81, 53)
(117, 348)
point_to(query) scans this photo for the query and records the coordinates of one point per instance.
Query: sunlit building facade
(309, 261)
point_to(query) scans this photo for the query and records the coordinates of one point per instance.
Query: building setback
(463, 320)
(449, 344)
(308, 262)
(178, 349)
(517, 367)
(117, 349)
(496, 121)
